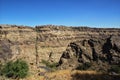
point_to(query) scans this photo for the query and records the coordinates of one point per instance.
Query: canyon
(68, 46)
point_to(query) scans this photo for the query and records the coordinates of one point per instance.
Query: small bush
(17, 69)
(115, 68)
(1, 69)
(52, 66)
(85, 66)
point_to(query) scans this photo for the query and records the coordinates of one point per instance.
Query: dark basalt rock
(105, 51)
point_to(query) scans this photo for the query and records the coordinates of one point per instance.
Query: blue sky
(93, 13)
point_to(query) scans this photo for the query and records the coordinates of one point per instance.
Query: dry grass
(79, 75)
(59, 75)
(93, 75)
(84, 72)
(34, 77)
(72, 75)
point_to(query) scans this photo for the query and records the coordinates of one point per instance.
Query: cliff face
(51, 42)
(100, 52)
(17, 42)
(55, 39)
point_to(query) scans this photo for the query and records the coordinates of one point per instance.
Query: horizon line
(62, 25)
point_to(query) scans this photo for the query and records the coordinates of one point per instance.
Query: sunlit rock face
(18, 41)
(53, 43)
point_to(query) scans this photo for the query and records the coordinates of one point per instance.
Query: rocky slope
(59, 44)
(100, 52)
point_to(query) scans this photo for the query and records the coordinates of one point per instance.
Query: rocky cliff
(100, 53)
(59, 44)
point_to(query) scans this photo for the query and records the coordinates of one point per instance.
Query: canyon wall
(47, 42)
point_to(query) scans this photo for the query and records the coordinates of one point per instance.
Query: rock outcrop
(98, 51)
(49, 42)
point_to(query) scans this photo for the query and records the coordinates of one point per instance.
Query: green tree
(17, 69)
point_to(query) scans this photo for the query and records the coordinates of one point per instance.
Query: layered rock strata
(48, 42)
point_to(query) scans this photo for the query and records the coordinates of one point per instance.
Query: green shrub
(84, 66)
(17, 69)
(115, 68)
(52, 66)
(1, 69)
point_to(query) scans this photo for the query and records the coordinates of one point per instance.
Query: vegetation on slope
(17, 69)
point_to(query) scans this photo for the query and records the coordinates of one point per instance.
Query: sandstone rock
(5, 51)
(83, 44)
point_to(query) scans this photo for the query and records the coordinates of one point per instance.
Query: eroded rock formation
(48, 42)
(98, 51)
